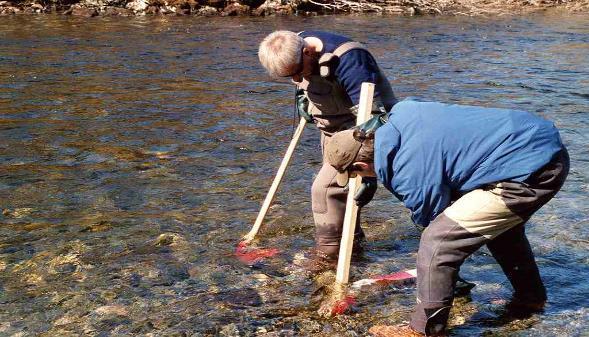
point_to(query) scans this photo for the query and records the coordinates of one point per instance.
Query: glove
(302, 105)
(367, 129)
(366, 191)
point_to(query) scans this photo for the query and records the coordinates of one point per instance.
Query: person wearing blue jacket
(327, 70)
(472, 176)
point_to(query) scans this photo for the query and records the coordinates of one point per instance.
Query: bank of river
(91, 8)
(135, 152)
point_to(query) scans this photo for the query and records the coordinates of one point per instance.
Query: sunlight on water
(135, 153)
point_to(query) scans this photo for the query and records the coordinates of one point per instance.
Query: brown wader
(329, 104)
(493, 215)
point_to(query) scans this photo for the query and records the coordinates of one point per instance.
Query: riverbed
(136, 152)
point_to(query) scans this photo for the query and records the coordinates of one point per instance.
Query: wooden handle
(277, 180)
(346, 245)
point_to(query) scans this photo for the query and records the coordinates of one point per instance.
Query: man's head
(285, 54)
(350, 156)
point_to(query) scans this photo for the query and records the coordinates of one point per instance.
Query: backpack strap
(327, 60)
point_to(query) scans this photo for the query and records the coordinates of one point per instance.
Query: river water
(135, 153)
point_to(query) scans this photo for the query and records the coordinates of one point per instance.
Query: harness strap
(346, 47)
(327, 59)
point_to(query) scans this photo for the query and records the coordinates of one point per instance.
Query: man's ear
(310, 50)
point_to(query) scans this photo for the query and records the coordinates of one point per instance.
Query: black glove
(367, 129)
(302, 105)
(366, 191)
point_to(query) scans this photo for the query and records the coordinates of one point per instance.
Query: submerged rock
(169, 239)
(17, 212)
(47, 267)
(230, 330)
(116, 310)
(65, 320)
(150, 274)
(239, 298)
(100, 226)
(180, 248)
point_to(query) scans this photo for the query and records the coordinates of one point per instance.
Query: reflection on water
(135, 152)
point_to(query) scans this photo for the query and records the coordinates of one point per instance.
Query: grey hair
(279, 51)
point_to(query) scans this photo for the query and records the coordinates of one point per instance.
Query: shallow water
(135, 152)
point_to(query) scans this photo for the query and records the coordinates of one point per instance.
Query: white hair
(279, 51)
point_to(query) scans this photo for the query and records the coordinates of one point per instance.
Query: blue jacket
(427, 152)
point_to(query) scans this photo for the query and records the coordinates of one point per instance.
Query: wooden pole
(277, 180)
(345, 250)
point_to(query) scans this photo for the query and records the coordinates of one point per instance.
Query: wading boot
(519, 308)
(397, 331)
(315, 261)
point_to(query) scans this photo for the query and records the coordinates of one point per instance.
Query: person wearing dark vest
(471, 176)
(328, 70)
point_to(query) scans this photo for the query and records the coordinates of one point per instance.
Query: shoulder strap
(327, 59)
(346, 47)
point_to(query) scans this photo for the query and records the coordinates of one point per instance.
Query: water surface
(135, 152)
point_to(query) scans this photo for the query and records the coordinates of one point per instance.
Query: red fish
(252, 255)
(340, 307)
(399, 277)
(343, 306)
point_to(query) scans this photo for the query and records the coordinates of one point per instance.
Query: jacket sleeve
(426, 202)
(355, 67)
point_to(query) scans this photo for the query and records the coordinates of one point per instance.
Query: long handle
(346, 245)
(277, 180)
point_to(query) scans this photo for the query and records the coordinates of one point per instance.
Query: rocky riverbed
(135, 153)
(91, 8)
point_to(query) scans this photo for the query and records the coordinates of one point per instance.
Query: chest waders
(332, 109)
(493, 215)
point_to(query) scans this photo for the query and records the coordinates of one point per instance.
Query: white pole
(345, 250)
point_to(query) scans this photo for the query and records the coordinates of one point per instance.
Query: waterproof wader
(330, 106)
(493, 215)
